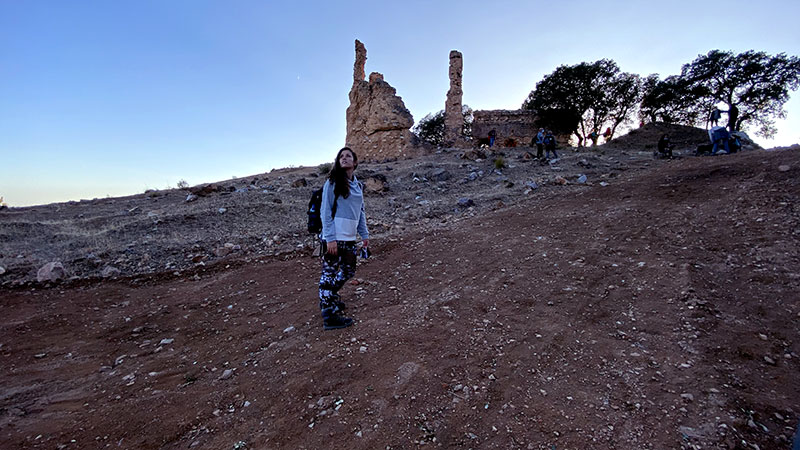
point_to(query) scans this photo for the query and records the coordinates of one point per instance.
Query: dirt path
(659, 311)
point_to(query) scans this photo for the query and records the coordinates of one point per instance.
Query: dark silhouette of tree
(625, 95)
(756, 83)
(431, 127)
(590, 95)
(671, 101)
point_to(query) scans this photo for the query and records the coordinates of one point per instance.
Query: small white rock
(288, 329)
(226, 374)
(166, 341)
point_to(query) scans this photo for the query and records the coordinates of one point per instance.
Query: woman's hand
(332, 248)
(365, 243)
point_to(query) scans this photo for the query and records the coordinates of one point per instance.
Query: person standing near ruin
(550, 145)
(343, 220)
(492, 137)
(540, 143)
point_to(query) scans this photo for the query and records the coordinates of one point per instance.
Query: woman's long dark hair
(338, 176)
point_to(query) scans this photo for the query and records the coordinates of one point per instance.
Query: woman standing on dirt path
(343, 218)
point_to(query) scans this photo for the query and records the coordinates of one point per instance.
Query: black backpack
(314, 208)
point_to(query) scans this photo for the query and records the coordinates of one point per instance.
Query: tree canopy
(589, 97)
(756, 83)
(592, 95)
(431, 127)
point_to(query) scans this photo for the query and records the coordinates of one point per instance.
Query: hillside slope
(264, 214)
(657, 311)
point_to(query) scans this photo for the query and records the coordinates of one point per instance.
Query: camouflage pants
(336, 270)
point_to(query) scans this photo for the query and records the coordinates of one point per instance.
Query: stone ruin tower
(453, 118)
(378, 123)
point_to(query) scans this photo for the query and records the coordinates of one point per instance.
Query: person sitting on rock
(664, 146)
(719, 136)
(734, 143)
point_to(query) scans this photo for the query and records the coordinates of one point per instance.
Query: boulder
(205, 189)
(465, 202)
(474, 154)
(109, 272)
(300, 182)
(376, 183)
(438, 175)
(226, 249)
(52, 271)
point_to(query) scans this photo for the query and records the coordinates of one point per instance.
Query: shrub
(323, 169)
(499, 163)
(182, 184)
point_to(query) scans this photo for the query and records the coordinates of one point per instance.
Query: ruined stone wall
(378, 122)
(517, 126)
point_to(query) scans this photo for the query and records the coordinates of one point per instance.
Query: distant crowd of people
(721, 138)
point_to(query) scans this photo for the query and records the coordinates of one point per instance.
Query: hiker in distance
(343, 219)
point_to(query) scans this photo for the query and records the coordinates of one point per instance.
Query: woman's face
(346, 160)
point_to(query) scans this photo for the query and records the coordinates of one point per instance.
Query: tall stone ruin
(378, 122)
(453, 117)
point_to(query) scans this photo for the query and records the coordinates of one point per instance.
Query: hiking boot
(340, 306)
(335, 321)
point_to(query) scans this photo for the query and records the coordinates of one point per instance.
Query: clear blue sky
(111, 98)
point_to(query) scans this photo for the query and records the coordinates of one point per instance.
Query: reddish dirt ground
(659, 311)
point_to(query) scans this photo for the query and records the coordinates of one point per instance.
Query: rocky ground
(264, 215)
(652, 306)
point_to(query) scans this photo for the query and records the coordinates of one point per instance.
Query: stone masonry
(378, 122)
(453, 118)
(513, 127)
